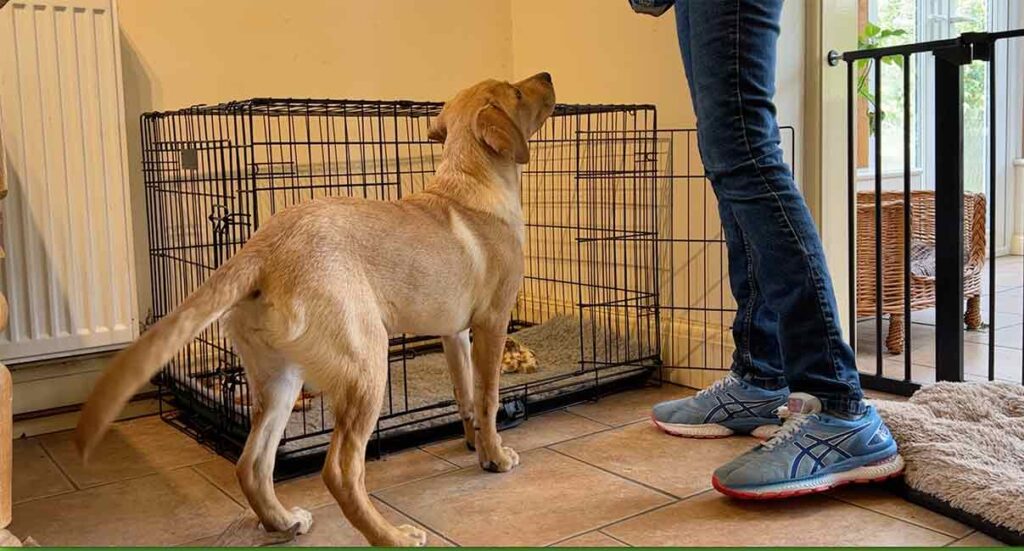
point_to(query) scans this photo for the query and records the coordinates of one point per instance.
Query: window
(888, 22)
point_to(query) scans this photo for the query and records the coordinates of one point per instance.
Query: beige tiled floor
(593, 475)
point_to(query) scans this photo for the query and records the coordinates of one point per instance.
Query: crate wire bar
(590, 299)
(696, 303)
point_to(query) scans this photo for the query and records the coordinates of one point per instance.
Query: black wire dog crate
(588, 310)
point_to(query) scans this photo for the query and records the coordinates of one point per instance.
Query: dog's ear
(494, 128)
(438, 130)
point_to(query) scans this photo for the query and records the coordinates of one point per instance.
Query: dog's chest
(492, 248)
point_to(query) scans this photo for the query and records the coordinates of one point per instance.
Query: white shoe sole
(710, 430)
(876, 472)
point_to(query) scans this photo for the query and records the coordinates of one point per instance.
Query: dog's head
(498, 115)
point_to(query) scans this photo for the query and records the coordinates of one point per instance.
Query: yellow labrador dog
(316, 292)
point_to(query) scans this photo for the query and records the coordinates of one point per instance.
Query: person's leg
(746, 401)
(732, 68)
(757, 357)
(830, 436)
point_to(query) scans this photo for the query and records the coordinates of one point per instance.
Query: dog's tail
(133, 366)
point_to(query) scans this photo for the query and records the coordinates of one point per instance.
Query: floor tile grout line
(81, 487)
(612, 523)
(436, 531)
(116, 421)
(958, 540)
(927, 346)
(604, 428)
(46, 496)
(428, 477)
(582, 416)
(129, 479)
(631, 517)
(628, 518)
(601, 531)
(217, 535)
(581, 436)
(672, 499)
(60, 468)
(431, 529)
(475, 466)
(641, 418)
(432, 454)
(626, 478)
(429, 453)
(903, 520)
(243, 510)
(454, 468)
(201, 474)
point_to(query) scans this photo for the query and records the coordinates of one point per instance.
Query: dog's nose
(545, 76)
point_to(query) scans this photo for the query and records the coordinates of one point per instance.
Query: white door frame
(1013, 200)
(830, 25)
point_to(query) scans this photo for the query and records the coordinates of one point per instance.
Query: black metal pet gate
(955, 232)
(589, 305)
(947, 224)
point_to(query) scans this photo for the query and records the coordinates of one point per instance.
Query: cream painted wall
(607, 54)
(177, 53)
(611, 55)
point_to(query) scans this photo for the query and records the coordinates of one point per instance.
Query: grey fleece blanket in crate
(424, 380)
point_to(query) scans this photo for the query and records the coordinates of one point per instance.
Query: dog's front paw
(413, 536)
(503, 462)
(301, 521)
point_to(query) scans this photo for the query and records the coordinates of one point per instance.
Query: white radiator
(69, 273)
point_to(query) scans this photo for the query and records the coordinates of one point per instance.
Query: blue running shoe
(727, 407)
(811, 453)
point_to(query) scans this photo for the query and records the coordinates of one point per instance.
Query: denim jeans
(787, 327)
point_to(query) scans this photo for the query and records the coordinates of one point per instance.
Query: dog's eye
(519, 93)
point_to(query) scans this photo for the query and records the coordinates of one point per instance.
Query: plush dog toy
(517, 358)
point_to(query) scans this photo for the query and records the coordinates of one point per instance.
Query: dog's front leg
(457, 352)
(488, 344)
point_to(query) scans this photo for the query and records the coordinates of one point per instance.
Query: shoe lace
(791, 423)
(715, 387)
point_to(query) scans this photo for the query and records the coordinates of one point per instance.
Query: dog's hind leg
(357, 393)
(460, 366)
(274, 384)
(488, 345)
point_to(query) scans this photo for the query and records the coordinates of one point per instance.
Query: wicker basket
(922, 286)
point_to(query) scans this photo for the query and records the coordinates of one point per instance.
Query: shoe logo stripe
(829, 445)
(736, 406)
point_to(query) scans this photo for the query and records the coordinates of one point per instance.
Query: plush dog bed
(964, 448)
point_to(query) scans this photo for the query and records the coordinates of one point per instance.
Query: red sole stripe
(738, 494)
